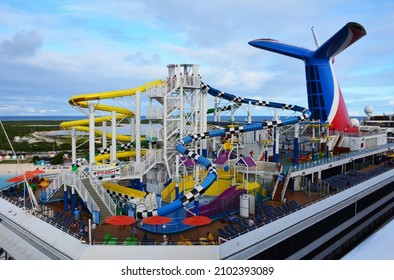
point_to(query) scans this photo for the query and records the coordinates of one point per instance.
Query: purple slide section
(226, 201)
(222, 158)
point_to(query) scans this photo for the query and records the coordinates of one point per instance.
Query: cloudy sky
(51, 50)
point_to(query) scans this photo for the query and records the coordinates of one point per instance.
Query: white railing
(76, 182)
(282, 195)
(191, 81)
(72, 179)
(172, 127)
(172, 105)
(149, 160)
(154, 133)
(154, 112)
(102, 193)
(156, 91)
(351, 155)
(56, 183)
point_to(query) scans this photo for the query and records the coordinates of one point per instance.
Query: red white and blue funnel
(325, 98)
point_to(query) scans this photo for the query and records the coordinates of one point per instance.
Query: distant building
(21, 139)
(42, 162)
(52, 154)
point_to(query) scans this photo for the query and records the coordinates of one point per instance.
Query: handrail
(105, 197)
(333, 159)
(282, 195)
(75, 181)
(55, 184)
(72, 179)
(147, 162)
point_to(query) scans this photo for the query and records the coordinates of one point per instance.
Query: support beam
(113, 139)
(92, 148)
(138, 127)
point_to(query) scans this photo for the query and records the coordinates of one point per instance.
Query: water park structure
(186, 164)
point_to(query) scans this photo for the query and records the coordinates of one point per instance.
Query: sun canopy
(156, 220)
(121, 220)
(197, 221)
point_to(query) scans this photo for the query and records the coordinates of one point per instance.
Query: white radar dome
(355, 122)
(368, 110)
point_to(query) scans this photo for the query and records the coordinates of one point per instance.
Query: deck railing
(349, 155)
(102, 193)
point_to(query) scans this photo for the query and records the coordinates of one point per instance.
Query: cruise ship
(306, 183)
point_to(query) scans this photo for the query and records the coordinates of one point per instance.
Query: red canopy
(197, 221)
(156, 220)
(20, 178)
(121, 220)
(35, 172)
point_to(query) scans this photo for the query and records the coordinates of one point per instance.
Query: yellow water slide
(124, 154)
(122, 190)
(82, 101)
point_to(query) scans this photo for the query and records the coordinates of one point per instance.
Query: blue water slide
(212, 172)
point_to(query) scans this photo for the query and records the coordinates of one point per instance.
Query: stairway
(277, 196)
(104, 212)
(280, 190)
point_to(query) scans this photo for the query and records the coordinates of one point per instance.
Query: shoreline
(15, 169)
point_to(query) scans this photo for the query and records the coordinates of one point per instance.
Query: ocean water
(41, 118)
(3, 178)
(80, 117)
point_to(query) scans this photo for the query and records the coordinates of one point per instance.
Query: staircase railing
(172, 105)
(102, 193)
(73, 179)
(286, 183)
(56, 184)
(151, 158)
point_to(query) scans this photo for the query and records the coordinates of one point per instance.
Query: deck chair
(130, 241)
(107, 237)
(222, 233)
(184, 241)
(203, 241)
(211, 239)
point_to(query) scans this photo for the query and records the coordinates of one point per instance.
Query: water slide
(321, 82)
(226, 199)
(82, 101)
(123, 191)
(212, 172)
(124, 154)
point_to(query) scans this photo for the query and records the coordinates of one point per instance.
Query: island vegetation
(31, 137)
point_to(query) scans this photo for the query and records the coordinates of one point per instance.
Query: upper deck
(40, 232)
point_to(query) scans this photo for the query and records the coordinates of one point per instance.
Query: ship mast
(26, 185)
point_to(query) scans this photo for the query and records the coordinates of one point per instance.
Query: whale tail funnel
(325, 98)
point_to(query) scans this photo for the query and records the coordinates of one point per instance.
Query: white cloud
(88, 46)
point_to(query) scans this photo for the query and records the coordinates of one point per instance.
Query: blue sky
(52, 50)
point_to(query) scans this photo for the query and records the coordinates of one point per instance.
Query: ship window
(316, 114)
(312, 72)
(313, 87)
(317, 73)
(319, 87)
(315, 101)
(323, 115)
(321, 101)
(307, 73)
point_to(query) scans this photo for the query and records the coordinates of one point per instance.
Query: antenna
(317, 43)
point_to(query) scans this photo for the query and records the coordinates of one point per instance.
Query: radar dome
(355, 122)
(368, 110)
